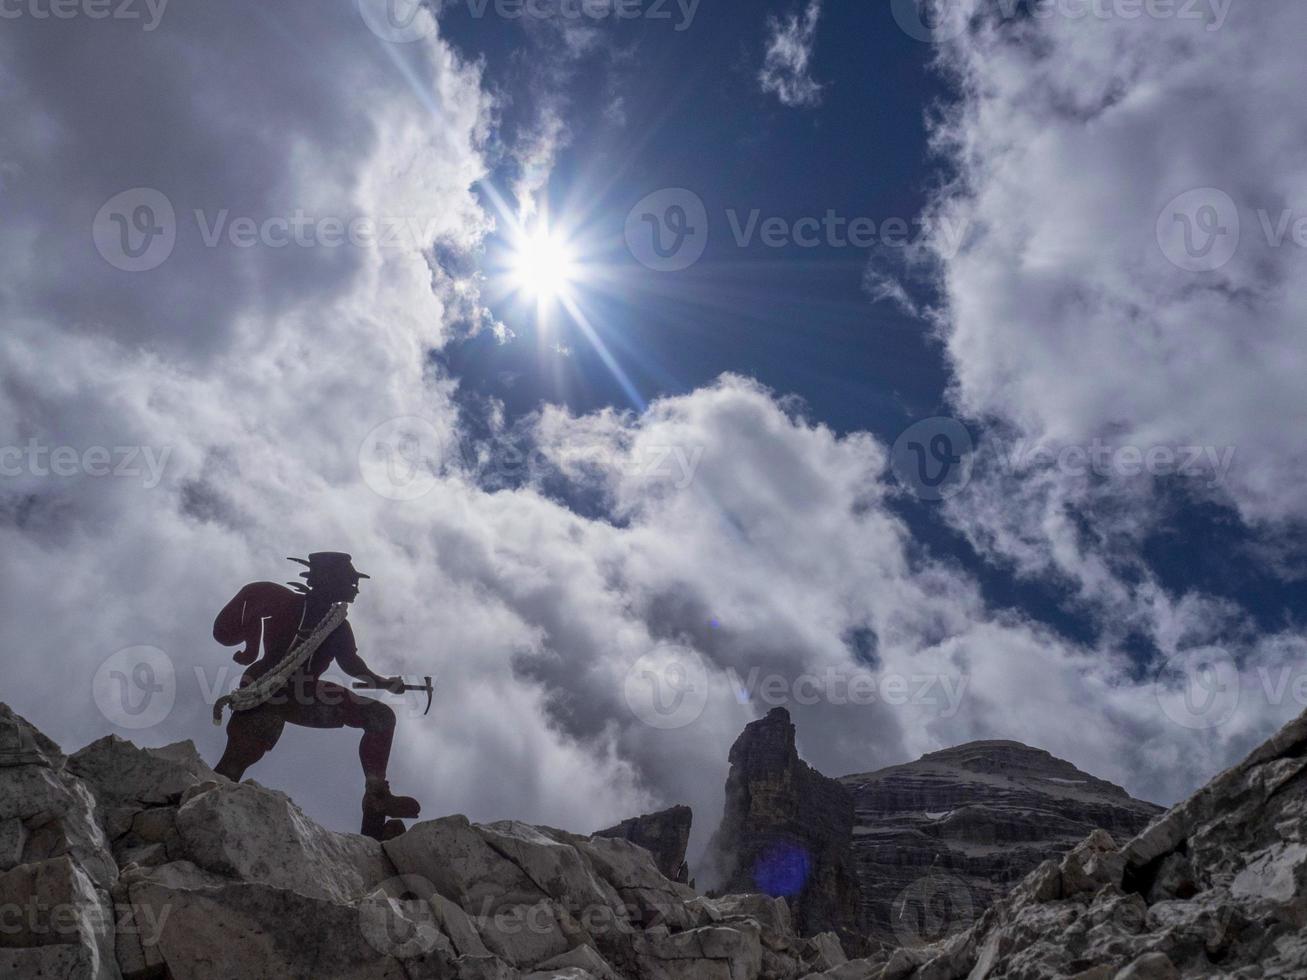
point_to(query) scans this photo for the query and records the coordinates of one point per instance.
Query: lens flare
(544, 265)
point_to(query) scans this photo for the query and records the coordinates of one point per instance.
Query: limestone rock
(56, 811)
(960, 827)
(219, 880)
(21, 744)
(258, 835)
(122, 775)
(1215, 887)
(665, 835)
(13, 840)
(54, 904)
(200, 926)
(787, 831)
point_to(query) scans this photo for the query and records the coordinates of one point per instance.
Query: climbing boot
(379, 804)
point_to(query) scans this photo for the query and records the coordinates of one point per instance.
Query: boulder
(514, 916)
(22, 744)
(258, 835)
(45, 812)
(706, 953)
(665, 835)
(54, 904)
(122, 775)
(196, 925)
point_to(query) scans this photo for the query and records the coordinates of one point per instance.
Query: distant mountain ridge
(880, 853)
(978, 817)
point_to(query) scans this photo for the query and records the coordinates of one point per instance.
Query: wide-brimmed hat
(327, 565)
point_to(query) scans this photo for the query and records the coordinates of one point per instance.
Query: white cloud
(1066, 317)
(766, 543)
(786, 69)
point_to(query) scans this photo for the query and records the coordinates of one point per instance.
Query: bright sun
(543, 264)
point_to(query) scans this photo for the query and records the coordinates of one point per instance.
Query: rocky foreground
(133, 863)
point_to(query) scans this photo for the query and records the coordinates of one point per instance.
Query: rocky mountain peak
(786, 831)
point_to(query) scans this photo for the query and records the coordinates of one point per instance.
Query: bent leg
(250, 736)
(332, 706)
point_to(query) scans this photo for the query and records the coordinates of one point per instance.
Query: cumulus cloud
(1125, 286)
(1108, 170)
(786, 68)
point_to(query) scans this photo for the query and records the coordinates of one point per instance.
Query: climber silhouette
(296, 619)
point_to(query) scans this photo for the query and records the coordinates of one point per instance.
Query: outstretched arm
(351, 663)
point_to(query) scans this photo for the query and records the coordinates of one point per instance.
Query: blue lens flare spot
(782, 870)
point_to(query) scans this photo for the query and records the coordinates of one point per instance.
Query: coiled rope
(255, 694)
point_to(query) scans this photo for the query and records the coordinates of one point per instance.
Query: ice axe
(426, 686)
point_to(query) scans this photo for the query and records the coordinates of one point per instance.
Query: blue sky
(1042, 470)
(802, 320)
